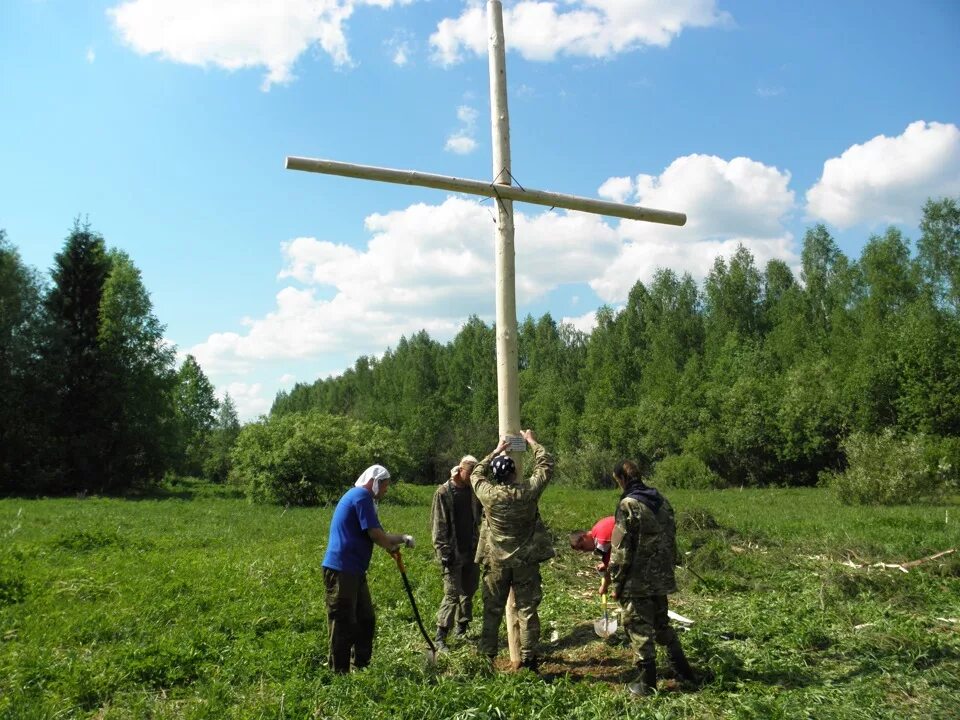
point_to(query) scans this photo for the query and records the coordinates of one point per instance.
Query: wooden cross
(508, 400)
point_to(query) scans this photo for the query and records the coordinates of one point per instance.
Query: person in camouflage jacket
(455, 519)
(642, 559)
(513, 543)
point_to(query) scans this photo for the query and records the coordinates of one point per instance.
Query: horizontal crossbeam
(487, 189)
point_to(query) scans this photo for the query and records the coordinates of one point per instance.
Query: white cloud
(887, 179)
(235, 34)
(467, 115)
(419, 270)
(425, 267)
(218, 355)
(768, 91)
(740, 201)
(584, 323)
(617, 189)
(91, 55)
(541, 30)
(248, 399)
(462, 142)
(431, 266)
(401, 54)
(399, 47)
(557, 248)
(287, 379)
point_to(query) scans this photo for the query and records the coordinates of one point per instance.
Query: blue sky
(166, 123)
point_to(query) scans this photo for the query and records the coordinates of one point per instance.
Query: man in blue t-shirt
(354, 529)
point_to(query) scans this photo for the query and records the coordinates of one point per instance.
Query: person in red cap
(596, 540)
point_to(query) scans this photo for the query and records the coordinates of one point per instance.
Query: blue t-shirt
(349, 547)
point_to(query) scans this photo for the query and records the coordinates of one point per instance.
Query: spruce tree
(73, 358)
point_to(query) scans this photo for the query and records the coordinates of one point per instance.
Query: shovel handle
(413, 603)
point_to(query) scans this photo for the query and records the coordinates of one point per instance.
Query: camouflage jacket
(644, 547)
(512, 533)
(444, 529)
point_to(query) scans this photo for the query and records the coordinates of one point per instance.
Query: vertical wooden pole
(508, 397)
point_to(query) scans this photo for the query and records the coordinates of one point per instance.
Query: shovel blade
(605, 627)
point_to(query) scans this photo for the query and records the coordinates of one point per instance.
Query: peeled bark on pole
(508, 398)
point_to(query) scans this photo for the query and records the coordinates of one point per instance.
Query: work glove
(408, 540)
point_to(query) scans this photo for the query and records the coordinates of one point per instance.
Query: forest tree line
(754, 377)
(93, 399)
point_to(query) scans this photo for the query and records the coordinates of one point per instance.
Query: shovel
(605, 626)
(431, 654)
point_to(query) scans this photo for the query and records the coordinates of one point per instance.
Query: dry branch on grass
(914, 563)
(902, 567)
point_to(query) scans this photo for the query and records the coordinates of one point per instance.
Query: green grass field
(194, 605)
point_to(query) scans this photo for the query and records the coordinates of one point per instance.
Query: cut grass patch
(172, 607)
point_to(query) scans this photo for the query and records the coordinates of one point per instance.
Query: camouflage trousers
(351, 622)
(460, 582)
(645, 621)
(495, 589)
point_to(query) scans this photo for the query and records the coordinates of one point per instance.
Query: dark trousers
(460, 583)
(350, 619)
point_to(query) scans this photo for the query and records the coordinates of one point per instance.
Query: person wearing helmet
(513, 543)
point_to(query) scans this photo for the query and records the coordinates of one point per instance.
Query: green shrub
(685, 471)
(588, 467)
(311, 458)
(943, 458)
(889, 470)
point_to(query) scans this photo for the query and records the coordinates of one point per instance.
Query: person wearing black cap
(513, 543)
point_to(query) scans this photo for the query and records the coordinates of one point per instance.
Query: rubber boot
(530, 663)
(647, 683)
(460, 631)
(679, 662)
(440, 640)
